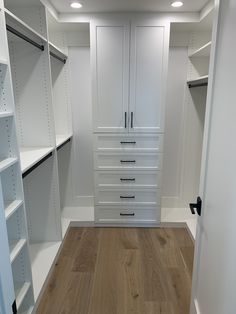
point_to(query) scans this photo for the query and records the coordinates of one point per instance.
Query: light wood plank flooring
(121, 271)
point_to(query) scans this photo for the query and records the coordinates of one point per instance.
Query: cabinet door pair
(129, 73)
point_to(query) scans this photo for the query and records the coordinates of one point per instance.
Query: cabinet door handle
(127, 179)
(127, 197)
(121, 214)
(127, 142)
(125, 120)
(132, 119)
(128, 161)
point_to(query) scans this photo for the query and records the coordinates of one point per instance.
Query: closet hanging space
(190, 49)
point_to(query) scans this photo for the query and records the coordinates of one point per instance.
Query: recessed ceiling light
(76, 5)
(177, 4)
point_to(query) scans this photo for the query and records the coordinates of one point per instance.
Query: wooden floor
(121, 271)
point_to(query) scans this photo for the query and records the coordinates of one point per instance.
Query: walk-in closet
(102, 121)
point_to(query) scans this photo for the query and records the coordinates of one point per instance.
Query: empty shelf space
(42, 256)
(21, 290)
(6, 114)
(15, 248)
(61, 139)
(11, 207)
(203, 51)
(7, 162)
(30, 156)
(198, 82)
(57, 53)
(20, 26)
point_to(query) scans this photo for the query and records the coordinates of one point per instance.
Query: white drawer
(148, 179)
(127, 215)
(135, 161)
(150, 197)
(128, 142)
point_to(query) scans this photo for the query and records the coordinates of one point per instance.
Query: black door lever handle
(197, 206)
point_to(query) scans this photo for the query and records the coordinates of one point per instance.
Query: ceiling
(96, 6)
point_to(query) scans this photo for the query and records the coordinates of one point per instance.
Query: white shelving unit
(203, 51)
(42, 257)
(11, 188)
(29, 51)
(61, 139)
(17, 24)
(57, 52)
(11, 207)
(30, 156)
(7, 162)
(201, 81)
(16, 247)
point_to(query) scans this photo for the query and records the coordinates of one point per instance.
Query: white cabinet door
(110, 75)
(7, 295)
(148, 75)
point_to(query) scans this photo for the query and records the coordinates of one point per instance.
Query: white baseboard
(168, 215)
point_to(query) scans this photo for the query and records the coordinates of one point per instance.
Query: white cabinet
(149, 44)
(129, 66)
(110, 66)
(129, 74)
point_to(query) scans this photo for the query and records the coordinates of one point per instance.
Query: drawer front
(127, 215)
(127, 197)
(128, 142)
(136, 161)
(129, 179)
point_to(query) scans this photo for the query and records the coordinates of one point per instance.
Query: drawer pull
(127, 179)
(128, 161)
(121, 214)
(132, 120)
(128, 142)
(127, 197)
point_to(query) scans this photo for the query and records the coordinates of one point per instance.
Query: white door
(7, 295)
(110, 75)
(148, 75)
(214, 280)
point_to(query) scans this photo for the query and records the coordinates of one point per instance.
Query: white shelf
(198, 81)
(6, 114)
(29, 156)
(203, 51)
(61, 139)
(21, 290)
(15, 248)
(42, 257)
(11, 207)
(53, 48)
(19, 25)
(2, 61)
(7, 162)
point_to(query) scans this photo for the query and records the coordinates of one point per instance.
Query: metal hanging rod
(57, 57)
(26, 173)
(197, 85)
(24, 37)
